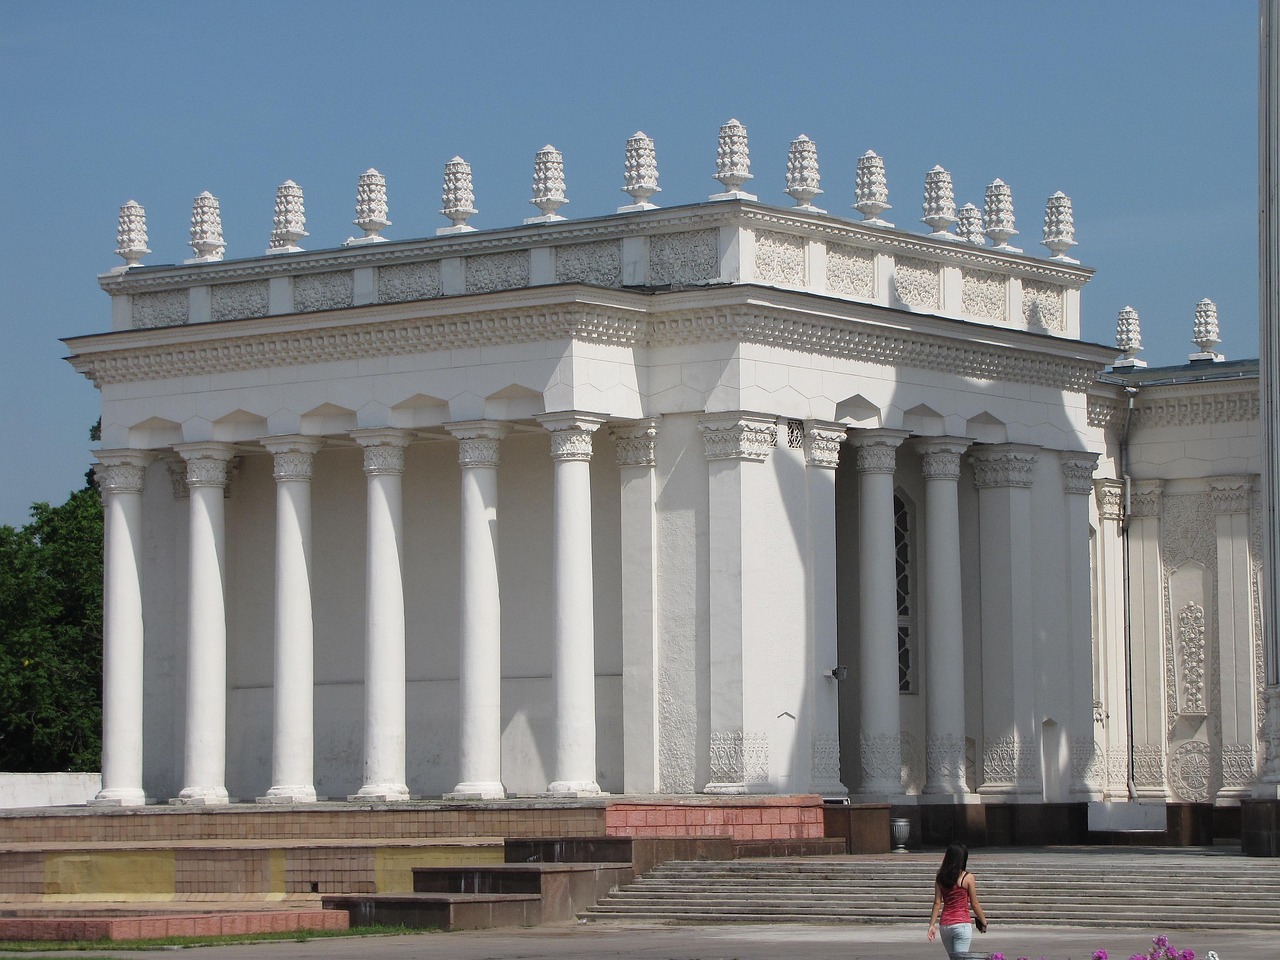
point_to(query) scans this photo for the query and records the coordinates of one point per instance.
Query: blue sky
(1144, 112)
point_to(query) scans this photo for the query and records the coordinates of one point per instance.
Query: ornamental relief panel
(165, 308)
(1191, 660)
(1009, 760)
(880, 757)
(1191, 772)
(984, 294)
(1188, 531)
(917, 283)
(945, 757)
(497, 271)
(726, 757)
(913, 763)
(1088, 765)
(323, 291)
(1239, 764)
(826, 759)
(850, 271)
(1042, 305)
(780, 258)
(1148, 765)
(690, 257)
(599, 264)
(409, 281)
(239, 301)
(755, 757)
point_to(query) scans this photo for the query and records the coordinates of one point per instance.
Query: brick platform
(155, 927)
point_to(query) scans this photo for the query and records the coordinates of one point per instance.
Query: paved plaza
(737, 942)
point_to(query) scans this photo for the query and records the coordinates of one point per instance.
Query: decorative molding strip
(821, 443)
(1104, 411)
(636, 443)
(1003, 465)
(738, 436)
(1188, 410)
(1145, 497)
(1230, 494)
(1077, 471)
(1110, 497)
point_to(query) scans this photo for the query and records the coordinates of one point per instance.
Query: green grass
(34, 947)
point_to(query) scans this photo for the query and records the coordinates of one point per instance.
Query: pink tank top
(955, 905)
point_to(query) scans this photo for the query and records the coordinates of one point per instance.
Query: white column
(880, 733)
(384, 658)
(1236, 680)
(1003, 474)
(943, 618)
(573, 600)
(822, 440)
(1111, 659)
(636, 444)
(1087, 774)
(480, 659)
(206, 733)
(292, 742)
(1146, 631)
(120, 475)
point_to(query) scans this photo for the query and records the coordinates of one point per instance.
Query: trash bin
(899, 831)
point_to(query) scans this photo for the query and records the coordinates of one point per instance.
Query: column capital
(1003, 464)
(571, 432)
(636, 442)
(822, 439)
(207, 462)
(736, 435)
(121, 471)
(1110, 496)
(1077, 471)
(1230, 494)
(292, 455)
(383, 449)
(1144, 498)
(876, 450)
(478, 441)
(940, 456)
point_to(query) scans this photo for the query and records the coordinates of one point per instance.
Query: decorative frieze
(1110, 497)
(822, 442)
(497, 271)
(636, 443)
(1009, 760)
(1145, 497)
(1077, 472)
(726, 757)
(323, 291)
(1197, 409)
(755, 758)
(1188, 531)
(679, 258)
(238, 301)
(599, 264)
(1191, 772)
(945, 759)
(984, 294)
(1239, 765)
(1002, 465)
(737, 436)
(398, 283)
(851, 272)
(1230, 494)
(1042, 305)
(1087, 765)
(825, 759)
(1148, 765)
(131, 234)
(164, 308)
(880, 757)
(780, 258)
(917, 283)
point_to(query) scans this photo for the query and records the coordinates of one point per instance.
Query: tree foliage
(51, 637)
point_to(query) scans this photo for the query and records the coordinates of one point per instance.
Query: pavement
(781, 941)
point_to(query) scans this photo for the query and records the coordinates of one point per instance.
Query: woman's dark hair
(953, 863)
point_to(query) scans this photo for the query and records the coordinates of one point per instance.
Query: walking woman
(954, 892)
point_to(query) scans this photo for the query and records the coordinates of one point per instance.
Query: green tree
(51, 637)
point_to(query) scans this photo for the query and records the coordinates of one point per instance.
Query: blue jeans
(956, 937)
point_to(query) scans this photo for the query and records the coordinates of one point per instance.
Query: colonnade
(1002, 474)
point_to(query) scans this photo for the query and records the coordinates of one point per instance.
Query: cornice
(1189, 405)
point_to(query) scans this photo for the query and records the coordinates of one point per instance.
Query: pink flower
(997, 956)
(1099, 955)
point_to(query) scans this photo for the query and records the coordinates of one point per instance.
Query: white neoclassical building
(721, 498)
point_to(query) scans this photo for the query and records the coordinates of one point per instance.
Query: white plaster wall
(18, 790)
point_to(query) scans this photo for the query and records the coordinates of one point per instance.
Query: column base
(201, 797)
(289, 794)
(381, 793)
(119, 797)
(946, 793)
(574, 788)
(478, 790)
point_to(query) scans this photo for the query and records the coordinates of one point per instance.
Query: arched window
(905, 570)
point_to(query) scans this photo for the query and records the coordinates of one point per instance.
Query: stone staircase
(1089, 887)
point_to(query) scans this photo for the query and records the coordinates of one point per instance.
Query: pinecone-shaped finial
(288, 226)
(371, 208)
(969, 228)
(802, 173)
(733, 162)
(939, 203)
(548, 184)
(1205, 333)
(871, 190)
(999, 215)
(1059, 227)
(131, 235)
(458, 197)
(640, 174)
(1128, 339)
(206, 229)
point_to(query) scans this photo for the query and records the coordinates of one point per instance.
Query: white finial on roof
(939, 204)
(733, 162)
(640, 174)
(206, 230)
(998, 216)
(288, 226)
(371, 208)
(458, 198)
(131, 235)
(1205, 332)
(970, 225)
(1059, 227)
(871, 190)
(802, 174)
(548, 184)
(1128, 340)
